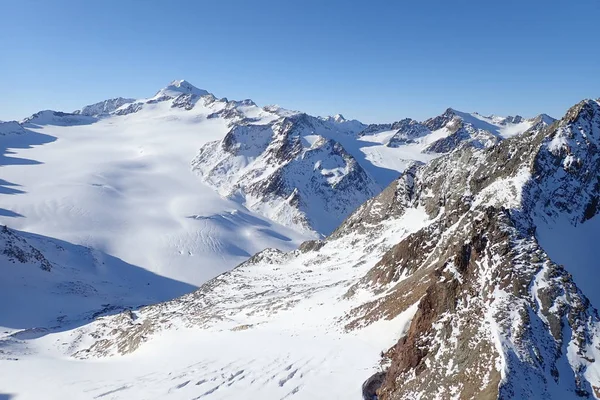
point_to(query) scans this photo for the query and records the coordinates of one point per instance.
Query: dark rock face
(185, 101)
(16, 249)
(433, 124)
(294, 165)
(407, 131)
(478, 270)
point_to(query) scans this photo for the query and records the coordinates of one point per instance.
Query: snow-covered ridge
(104, 107)
(11, 128)
(294, 170)
(481, 308)
(283, 186)
(58, 118)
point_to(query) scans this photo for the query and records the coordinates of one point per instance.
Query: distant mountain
(50, 117)
(290, 168)
(476, 130)
(11, 128)
(104, 107)
(305, 172)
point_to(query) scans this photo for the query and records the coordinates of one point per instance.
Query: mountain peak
(339, 118)
(181, 86)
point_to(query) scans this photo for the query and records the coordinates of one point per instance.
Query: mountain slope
(292, 170)
(50, 285)
(536, 335)
(123, 184)
(104, 107)
(446, 262)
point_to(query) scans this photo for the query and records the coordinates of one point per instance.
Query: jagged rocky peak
(496, 317)
(517, 119)
(407, 130)
(567, 166)
(104, 107)
(294, 169)
(440, 121)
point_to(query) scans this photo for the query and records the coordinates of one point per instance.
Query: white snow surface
(272, 334)
(123, 185)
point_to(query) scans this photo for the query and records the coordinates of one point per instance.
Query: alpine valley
(185, 246)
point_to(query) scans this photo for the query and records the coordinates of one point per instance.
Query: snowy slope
(267, 332)
(294, 170)
(48, 284)
(446, 262)
(123, 184)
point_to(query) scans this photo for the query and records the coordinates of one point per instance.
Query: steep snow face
(103, 107)
(11, 128)
(50, 285)
(292, 170)
(123, 184)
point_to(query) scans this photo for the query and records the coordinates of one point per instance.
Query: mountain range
(451, 258)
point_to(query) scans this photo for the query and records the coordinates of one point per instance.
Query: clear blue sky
(373, 60)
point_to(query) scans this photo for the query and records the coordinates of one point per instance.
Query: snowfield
(124, 185)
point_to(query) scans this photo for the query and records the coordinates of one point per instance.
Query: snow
(494, 124)
(281, 335)
(124, 185)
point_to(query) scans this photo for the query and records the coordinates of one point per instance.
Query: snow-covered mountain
(307, 173)
(310, 173)
(48, 284)
(104, 107)
(445, 285)
(292, 169)
(11, 128)
(471, 275)
(123, 184)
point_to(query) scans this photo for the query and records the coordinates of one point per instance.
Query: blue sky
(376, 61)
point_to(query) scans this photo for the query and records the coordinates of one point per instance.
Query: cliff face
(497, 318)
